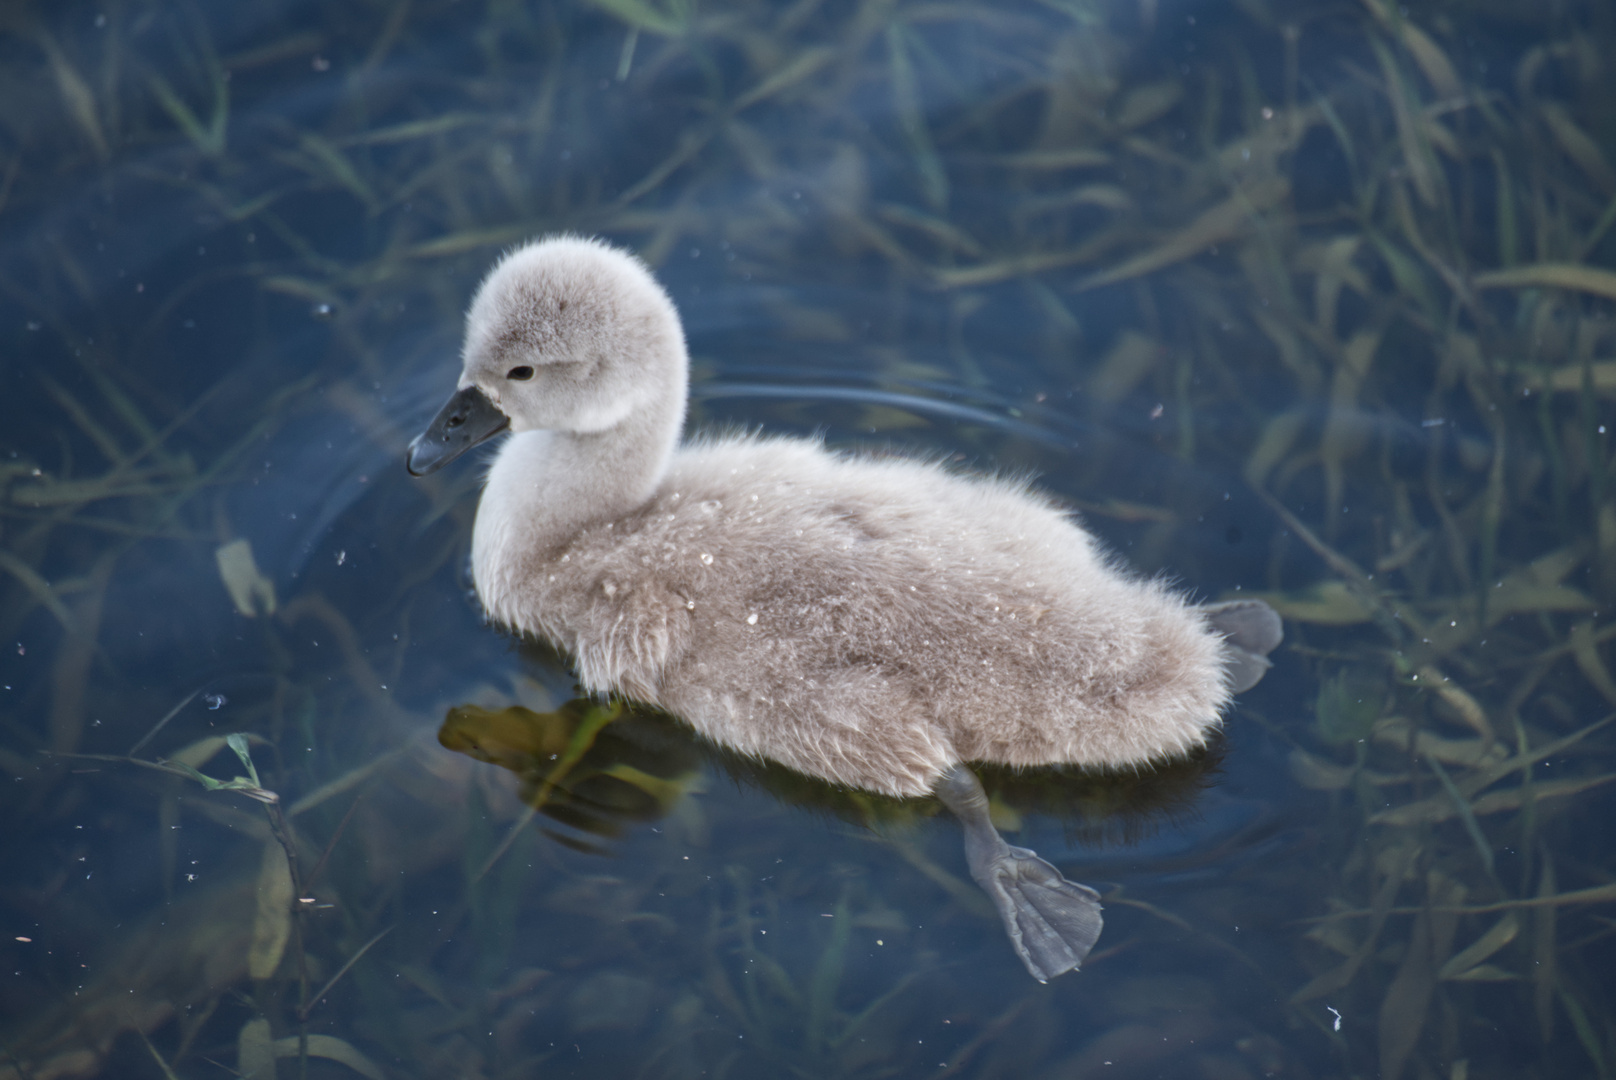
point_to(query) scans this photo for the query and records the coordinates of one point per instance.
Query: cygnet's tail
(1251, 630)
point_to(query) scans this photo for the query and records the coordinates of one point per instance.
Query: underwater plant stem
(303, 1012)
(1491, 520)
(990, 1031)
(16, 1063)
(282, 831)
(1529, 809)
(516, 830)
(168, 1072)
(1466, 815)
(314, 875)
(1390, 623)
(175, 711)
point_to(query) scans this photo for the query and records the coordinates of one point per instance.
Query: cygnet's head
(565, 334)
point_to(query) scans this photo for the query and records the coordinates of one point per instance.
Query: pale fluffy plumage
(870, 622)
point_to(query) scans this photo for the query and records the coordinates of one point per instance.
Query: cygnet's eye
(520, 374)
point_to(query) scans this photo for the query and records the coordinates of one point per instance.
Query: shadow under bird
(872, 623)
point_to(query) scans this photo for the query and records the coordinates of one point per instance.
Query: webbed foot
(1251, 630)
(1052, 922)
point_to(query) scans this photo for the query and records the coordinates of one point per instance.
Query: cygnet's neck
(546, 486)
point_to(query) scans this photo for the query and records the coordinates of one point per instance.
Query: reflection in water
(599, 767)
(594, 766)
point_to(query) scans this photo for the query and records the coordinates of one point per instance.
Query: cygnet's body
(874, 623)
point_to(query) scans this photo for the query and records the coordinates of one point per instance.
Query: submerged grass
(1361, 257)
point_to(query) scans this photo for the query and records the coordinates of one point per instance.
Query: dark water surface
(1311, 300)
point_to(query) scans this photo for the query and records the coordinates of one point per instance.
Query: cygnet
(875, 623)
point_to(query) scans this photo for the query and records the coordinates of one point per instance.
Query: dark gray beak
(466, 420)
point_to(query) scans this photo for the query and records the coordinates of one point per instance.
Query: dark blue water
(1194, 266)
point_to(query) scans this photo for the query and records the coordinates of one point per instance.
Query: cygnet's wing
(1251, 630)
(1052, 922)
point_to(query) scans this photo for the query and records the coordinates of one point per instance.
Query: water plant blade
(272, 921)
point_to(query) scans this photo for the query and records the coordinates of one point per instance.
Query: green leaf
(644, 16)
(1348, 704)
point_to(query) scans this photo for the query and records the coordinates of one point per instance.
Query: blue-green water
(1305, 300)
